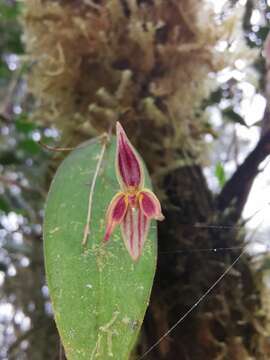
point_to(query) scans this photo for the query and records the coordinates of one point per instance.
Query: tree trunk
(226, 324)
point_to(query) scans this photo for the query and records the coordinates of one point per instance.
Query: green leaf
(99, 295)
(216, 96)
(30, 146)
(24, 125)
(263, 32)
(233, 116)
(4, 205)
(9, 11)
(4, 73)
(220, 174)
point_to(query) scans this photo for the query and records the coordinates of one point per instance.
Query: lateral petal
(150, 205)
(134, 231)
(128, 164)
(115, 213)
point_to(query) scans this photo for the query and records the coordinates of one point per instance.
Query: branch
(9, 94)
(237, 188)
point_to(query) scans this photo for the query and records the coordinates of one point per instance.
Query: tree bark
(226, 325)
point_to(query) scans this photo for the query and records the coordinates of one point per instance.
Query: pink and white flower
(133, 206)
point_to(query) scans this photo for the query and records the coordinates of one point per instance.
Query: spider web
(243, 250)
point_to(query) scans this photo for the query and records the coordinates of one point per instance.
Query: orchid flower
(133, 206)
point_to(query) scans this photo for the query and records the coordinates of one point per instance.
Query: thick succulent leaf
(99, 295)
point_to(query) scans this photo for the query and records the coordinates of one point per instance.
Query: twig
(4, 105)
(238, 186)
(86, 231)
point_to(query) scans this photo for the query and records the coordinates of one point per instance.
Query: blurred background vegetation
(27, 329)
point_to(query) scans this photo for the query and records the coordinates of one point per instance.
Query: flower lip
(134, 231)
